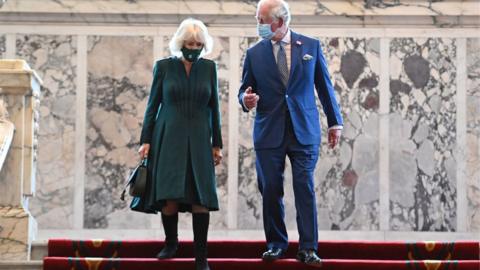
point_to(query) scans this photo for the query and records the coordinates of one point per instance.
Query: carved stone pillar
(19, 94)
(6, 133)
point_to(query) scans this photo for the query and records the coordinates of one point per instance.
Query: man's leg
(270, 165)
(303, 159)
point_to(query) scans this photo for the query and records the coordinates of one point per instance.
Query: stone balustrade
(19, 94)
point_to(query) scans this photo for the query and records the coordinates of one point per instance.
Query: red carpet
(233, 255)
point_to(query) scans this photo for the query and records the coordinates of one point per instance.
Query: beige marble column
(6, 133)
(19, 94)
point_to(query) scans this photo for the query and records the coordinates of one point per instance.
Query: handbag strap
(144, 162)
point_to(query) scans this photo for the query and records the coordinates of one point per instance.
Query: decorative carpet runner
(68, 254)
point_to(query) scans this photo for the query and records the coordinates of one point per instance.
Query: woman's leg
(170, 226)
(170, 208)
(200, 220)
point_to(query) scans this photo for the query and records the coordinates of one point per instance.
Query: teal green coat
(182, 124)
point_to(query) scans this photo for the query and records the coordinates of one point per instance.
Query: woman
(182, 139)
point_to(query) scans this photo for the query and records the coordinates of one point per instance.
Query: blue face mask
(265, 31)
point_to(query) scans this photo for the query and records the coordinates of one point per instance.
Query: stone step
(39, 250)
(29, 265)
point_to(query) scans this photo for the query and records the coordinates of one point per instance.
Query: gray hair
(191, 28)
(278, 9)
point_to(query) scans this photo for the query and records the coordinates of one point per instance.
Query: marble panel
(249, 198)
(346, 178)
(473, 134)
(119, 77)
(53, 57)
(2, 46)
(221, 56)
(423, 134)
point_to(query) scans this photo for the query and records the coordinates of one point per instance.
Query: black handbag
(137, 181)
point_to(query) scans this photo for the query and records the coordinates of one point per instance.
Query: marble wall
(422, 80)
(347, 177)
(119, 74)
(423, 134)
(2, 46)
(407, 13)
(221, 55)
(473, 134)
(54, 59)
(249, 199)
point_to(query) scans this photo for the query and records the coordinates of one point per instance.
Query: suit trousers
(270, 164)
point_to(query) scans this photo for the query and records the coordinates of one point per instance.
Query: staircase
(38, 252)
(240, 255)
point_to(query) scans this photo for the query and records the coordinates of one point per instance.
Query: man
(279, 77)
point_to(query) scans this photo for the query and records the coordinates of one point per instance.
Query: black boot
(200, 232)
(170, 226)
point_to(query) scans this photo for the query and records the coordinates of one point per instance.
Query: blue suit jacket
(260, 71)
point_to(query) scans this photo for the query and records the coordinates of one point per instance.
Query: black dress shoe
(309, 257)
(201, 265)
(272, 254)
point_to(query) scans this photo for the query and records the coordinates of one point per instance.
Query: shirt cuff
(338, 127)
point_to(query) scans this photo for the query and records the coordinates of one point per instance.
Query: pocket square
(307, 57)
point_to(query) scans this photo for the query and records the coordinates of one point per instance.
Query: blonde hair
(191, 28)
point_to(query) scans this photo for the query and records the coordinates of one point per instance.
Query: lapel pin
(299, 43)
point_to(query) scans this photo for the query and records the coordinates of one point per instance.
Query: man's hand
(334, 137)
(250, 99)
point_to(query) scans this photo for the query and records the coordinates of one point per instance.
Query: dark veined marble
(423, 134)
(346, 180)
(352, 65)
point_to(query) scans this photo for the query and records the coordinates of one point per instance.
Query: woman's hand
(217, 155)
(143, 151)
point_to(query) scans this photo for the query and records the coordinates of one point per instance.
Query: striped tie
(282, 63)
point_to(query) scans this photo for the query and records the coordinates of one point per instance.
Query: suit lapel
(296, 51)
(270, 63)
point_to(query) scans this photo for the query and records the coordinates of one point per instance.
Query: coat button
(286, 96)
